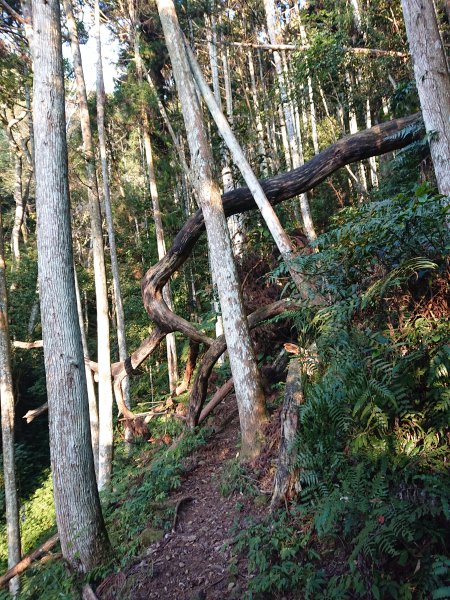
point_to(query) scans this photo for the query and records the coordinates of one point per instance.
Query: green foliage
(235, 479)
(373, 515)
(37, 518)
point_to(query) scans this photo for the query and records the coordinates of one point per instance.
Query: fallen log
(28, 559)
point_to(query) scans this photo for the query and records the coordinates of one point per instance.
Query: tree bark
(101, 100)
(84, 541)
(101, 291)
(433, 83)
(249, 393)
(7, 410)
(293, 398)
(295, 144)
(171, 348)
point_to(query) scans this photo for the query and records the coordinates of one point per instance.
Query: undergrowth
(134, 507)
(372, 519)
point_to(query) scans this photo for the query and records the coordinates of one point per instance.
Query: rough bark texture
(7, 409)
(105, 394)
(433, 82)
(82, 532)
(293, 398)
(249, 393)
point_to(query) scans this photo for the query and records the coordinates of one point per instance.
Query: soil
(193, 561)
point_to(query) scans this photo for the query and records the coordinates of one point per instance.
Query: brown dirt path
(192, 562)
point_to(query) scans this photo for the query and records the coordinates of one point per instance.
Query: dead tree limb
(220, 395)
(28, 345)
(371, 52)
(32, 414)
(200, 386)
(375, 141)
(28, 559)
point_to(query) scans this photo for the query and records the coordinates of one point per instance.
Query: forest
(224, 299)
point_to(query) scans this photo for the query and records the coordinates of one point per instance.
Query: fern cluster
(372, 517)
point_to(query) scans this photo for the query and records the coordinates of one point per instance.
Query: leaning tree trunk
(105, 394)
(80, 523)
(249, 393)
(294, 142)
(433, 83)
(7, 409)
(18, 216)
(270, 217)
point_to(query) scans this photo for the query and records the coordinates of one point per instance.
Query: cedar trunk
(80, 523)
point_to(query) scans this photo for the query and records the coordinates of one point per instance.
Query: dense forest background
(342, 489)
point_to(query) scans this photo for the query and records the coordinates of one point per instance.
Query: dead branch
(28, 345)
(220, 395)
(200, 386)
(32, 414)
(371, 52)
(21, 566)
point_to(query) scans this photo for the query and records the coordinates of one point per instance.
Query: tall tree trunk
(353, 122)
(7, 409)
(433, 83)
(18, 217)
(92, 398)
(259, 126)
(101, 291)
(120, 316)
(249, 393)
(312, 106)
(83, 537)
(270, 217)
(295, 150)
(171, 348)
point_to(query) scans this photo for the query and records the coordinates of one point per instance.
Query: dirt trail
(192, 562)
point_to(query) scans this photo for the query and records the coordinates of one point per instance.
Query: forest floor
(195, 560)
